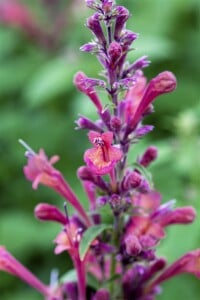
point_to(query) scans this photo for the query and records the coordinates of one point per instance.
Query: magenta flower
(188, 263)
(10, 265)
(103, 157)
(81, 81)
(40, 170)
(164, 82)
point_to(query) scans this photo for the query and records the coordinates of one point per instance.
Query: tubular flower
(103, 157)
(39, 169)
(11, 265)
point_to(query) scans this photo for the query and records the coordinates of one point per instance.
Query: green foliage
(89, 236)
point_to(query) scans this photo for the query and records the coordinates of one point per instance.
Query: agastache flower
(81, 82)
(40, 170)
(10, 265)
(164, 82)
(188, 263)
(103, 157)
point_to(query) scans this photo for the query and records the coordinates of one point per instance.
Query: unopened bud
(102, 294)
(149, 156)
(132, 245)
(114, 52)
(82, 84)
(115, 124)
(121, 18)
(47, 212)
(132, 180)
(93, 23)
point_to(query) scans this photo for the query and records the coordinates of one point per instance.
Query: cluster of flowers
(120, 252)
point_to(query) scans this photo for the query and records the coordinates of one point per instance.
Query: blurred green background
(38, 103)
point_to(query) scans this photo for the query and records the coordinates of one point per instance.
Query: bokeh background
(39, 54)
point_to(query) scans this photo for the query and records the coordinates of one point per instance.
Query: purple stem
(81, 275)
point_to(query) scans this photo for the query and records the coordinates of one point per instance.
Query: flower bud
(115, 124)
(47, 212)
(127, 37)
(90, 47)
(93, 23)
(101, 294)
(141, 131)
(121, 18)
(132, 245)
(114, 52)
(149, 156)
(81, 82)
(85, 123)
(181, 215)
(132, 180)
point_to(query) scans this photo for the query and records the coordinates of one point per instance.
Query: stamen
(66, 213)
(98, 141)
(29, 151)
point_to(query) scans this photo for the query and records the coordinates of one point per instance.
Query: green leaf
(106, 214)
(89, 235)
(69, 276)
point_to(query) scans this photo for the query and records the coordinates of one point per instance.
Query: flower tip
(165, 82)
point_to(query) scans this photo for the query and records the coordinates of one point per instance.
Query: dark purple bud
(115, 124)
(47, 212)
(132, 281)
(85, 123)
(127, 38)
(122, 15)
(93, 23)
(101, 294)
(114, 52)
(154, 268)
(144, 186)
(131, 180)
(71, 289)
(90, 47)
(102, 200)
(85, 173)
(132, 245)
(149, 156)
(148, 254)
(115, 201)
(107, 6)
(105, 116)
(141, 131)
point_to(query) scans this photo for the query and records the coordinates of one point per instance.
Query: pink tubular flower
(188, 263)
(103, 157)
(164, 82)
(40, 170)
(9, 264)
(147, 232)
(81, 82)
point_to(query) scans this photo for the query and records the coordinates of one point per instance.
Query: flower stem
(81, 275)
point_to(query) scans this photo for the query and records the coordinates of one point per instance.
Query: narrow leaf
(89, 235)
